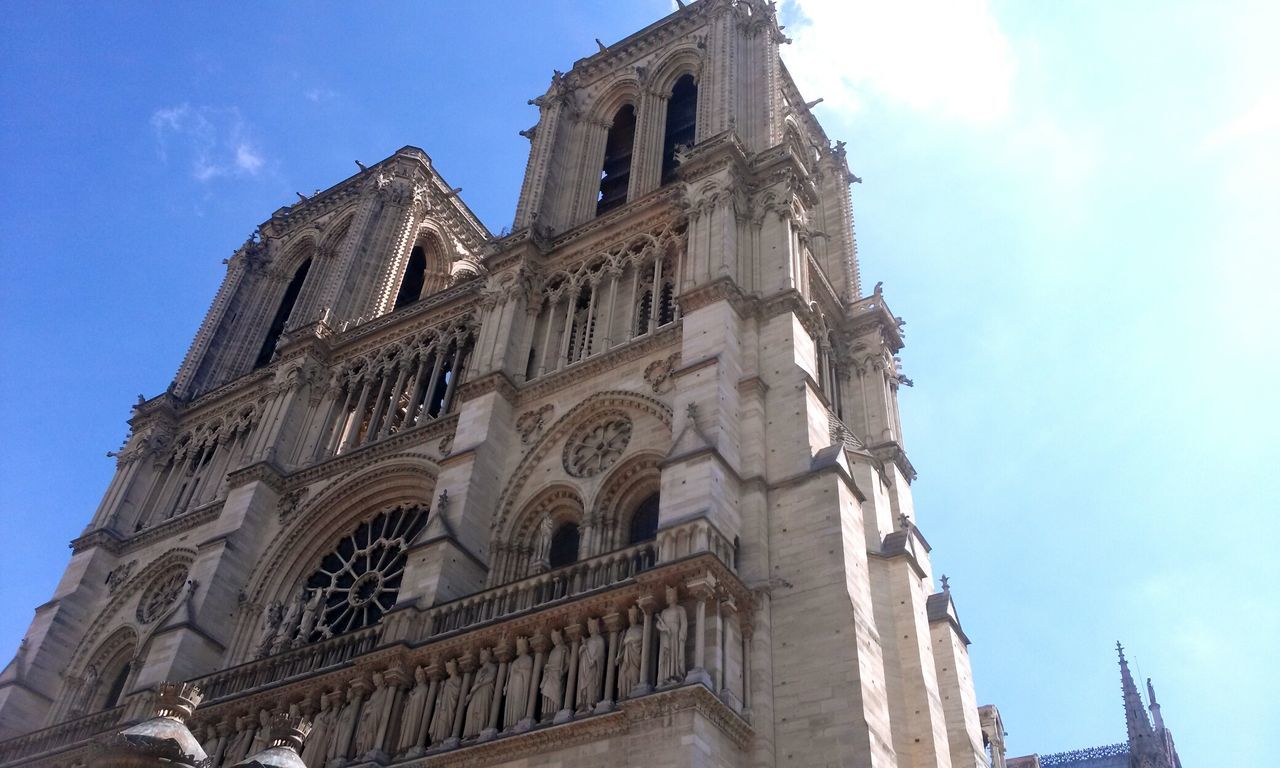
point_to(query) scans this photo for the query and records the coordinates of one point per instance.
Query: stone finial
(946, 583)
(178, 700)
(289, 730)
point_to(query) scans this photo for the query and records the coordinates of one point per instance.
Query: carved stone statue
(480, 696)
(542, 544)
(261, 739)
(415, 709)
(519, 673)
(348, 720)
(310, 612)
(317, 744)
(630, 654)
(288, 625)
(553, 674)
(240, 744)
(591, 657)
(271, 616)
(366, 740)
(446, 703)
(673, 630)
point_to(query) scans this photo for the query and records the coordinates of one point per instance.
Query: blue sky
(1072, 204)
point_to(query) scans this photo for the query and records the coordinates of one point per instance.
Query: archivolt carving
(112, 613)
(623, 489)
(588, 410)
(401, 479)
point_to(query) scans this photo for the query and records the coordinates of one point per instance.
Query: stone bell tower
(625, 486)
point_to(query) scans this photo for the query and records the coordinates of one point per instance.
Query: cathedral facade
(626, 486)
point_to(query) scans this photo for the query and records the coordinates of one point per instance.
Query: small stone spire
(1144, 748)
(1154, 706)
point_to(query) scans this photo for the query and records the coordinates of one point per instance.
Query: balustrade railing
(542, 589)
(63, 734)
(282, 666)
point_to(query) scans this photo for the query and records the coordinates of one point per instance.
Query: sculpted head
(486, 656)
(633, 614)
(557, 638)
(420, 674)
(451, 666)
(378, 679)
(522, 645)
(673, 596)
(593, 626)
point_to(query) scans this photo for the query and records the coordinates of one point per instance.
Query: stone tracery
(597, 447)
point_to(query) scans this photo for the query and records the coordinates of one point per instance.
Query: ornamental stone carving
(531, 423)
(119, 575)
(597, 447)
(161, 594)
(658, 373)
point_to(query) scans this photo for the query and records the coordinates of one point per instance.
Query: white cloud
(215, 142)
(319, 94)
(943, 56)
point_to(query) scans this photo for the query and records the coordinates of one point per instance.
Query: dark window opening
(682, 118)
(616, 172)
(644, 521)
(583, 327)
(564, 545)
(415, 275)
(117, 687)
(282, 315)
(643, 308)
(667, 303)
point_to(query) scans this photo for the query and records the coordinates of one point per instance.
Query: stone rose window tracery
(360, 579)
(161, 593)
(592, 450)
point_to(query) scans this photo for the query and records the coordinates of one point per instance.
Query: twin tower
(626, 486)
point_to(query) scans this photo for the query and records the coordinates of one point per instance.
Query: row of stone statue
(290, 625)
(477, 696)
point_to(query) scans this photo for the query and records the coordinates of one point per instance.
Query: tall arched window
(616, 172)
(116, 691)
(415, 274)
(644, 521)
(564, 545)
(682, 123)
(282, 314)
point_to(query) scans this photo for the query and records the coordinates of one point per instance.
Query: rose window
(161, 593)
(360, 579)
(592, 451)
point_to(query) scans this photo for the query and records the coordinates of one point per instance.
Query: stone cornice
(370, 452)
(665, 337)
(113, 542)
(262, 471)
(496, 381)
(636, 217)
(720, 289)
(625, 52)
(439, 309)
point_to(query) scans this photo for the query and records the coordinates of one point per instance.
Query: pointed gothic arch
(311, 532)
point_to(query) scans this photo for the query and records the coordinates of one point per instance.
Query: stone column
(613, 623)
(540, 645)
(574, 633)
(435, 673)
(468, 666)
(647, 603)
(503, 652)
(702, 590)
